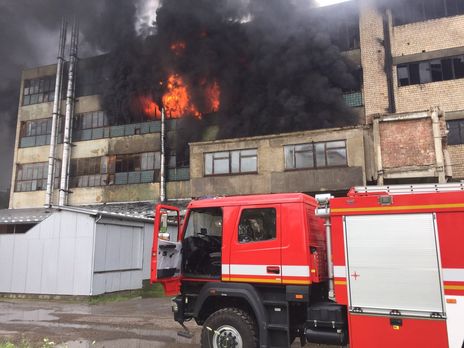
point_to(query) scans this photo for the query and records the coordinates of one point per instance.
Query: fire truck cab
(378, 268)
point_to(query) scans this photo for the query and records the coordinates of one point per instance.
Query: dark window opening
(430, 71)
(201, 246)
(115, 170)
(96, 125)
(257, 225)
(456, 132)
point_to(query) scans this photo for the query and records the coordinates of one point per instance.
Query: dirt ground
(137, 323)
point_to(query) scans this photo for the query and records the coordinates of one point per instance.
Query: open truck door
(166, 251)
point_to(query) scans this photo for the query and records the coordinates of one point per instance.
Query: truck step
(275, 303)
(280, 327)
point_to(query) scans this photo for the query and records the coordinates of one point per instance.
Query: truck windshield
(205, 222)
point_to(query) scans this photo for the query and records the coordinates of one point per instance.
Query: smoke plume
(269, 63)
(273, 61)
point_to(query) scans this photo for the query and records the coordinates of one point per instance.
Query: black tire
(235, 318)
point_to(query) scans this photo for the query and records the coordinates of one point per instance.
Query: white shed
(72, 251)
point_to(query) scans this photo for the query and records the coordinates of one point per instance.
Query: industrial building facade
(411, 128)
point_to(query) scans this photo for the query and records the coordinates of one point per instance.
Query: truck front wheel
(229, 328)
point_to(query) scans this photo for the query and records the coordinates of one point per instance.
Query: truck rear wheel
(229, 328)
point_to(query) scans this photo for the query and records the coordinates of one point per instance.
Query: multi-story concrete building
(109, 163)
(411, 124)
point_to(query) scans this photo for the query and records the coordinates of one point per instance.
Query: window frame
(315, 164)
(264, 207)
(229, 159)
(452, 60)
(423, 11)
(38, 90)
(25, 173)
(460, 127)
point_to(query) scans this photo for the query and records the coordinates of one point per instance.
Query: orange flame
(149, 107)
(177, 101)
(213, 93)
(178, 47)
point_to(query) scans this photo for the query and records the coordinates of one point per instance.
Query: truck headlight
(174, 306)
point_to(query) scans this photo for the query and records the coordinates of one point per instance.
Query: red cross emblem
(355, 275)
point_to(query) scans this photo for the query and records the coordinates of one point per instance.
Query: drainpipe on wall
(388, 65)
(163, 159)
(64, 180)
(56, 114)
(438, 144)
(377, 149)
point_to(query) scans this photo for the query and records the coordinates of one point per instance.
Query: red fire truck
(381, 267)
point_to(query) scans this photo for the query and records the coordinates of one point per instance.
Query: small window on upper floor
(257, 225)
(231, 162)
(41, 90)
(456, 132)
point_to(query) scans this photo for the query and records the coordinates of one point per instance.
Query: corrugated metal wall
(54, 257)
(122, 255)
(69, 253)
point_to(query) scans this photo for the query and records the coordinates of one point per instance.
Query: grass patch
(152, 290)
(46, 343)
(148, 291)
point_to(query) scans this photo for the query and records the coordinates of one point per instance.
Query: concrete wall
(54, 257)
(272, 176)
(430, 35)
(419, 40)
(373, 59)
(90, 148)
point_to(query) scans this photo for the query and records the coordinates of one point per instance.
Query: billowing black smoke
(273, 60)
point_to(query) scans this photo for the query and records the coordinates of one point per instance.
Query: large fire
(177, 101)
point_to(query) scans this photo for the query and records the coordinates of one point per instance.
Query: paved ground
(129, 323)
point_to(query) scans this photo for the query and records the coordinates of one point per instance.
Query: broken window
(33, 176)
(315, 155)
(137, 168)
(231, 162)
(411, 11)
(96, 125)
(40, 90)
(88, 172)
(456, 132)
(37, 132)
(430, 71)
